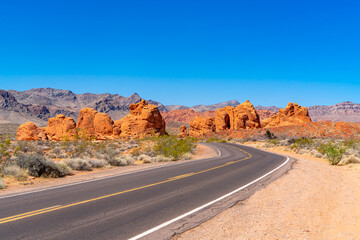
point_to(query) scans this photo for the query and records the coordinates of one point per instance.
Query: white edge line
(103, 178)
(205, 205)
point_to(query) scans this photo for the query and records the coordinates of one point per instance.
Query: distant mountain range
(37, 105)
(203, 108)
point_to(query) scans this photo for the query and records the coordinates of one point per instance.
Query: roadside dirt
(202, 152)
(313, 201)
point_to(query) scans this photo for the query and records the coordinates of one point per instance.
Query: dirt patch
(313, 201)
(203, 151)
(14, 187)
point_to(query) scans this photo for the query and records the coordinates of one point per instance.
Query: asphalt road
(124, 206)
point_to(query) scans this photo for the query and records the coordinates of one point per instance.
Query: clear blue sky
(185, 52)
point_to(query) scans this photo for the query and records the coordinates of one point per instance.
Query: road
(125, 206)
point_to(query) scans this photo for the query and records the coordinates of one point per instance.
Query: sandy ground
(313, 201)
(202, 152)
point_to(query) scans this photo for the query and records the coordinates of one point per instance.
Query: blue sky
(185, 52)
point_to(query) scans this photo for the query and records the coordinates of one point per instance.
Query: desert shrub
(78, 164)
(2, 184)
(82, 149)
(303, 142)
(38, 166)
(333, 151)
(64, 168)
(162, 158)
(97, 163)
(351, 160)
(13, 170)
(5, 148)
(215, 139)
(171, 146)
(110, 155)
(122, 160)
(351, 143)
(186, 156)
(274, 141)
(269, 134)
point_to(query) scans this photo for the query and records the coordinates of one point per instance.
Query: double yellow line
(58, 207)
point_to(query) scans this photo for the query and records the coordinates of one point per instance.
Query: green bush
(303, 142)
(333, 151)
(171, 146)
(2, 184)
(214, 139)
(38, 166)
(269, 134)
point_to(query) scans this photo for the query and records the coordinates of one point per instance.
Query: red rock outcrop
(60, 128)
(94, 124)
(243, 116)
(202, 126)
(183, 132)
(144, 119)
(29, 131)
(264, 114)
(185, 115)
(293, 114)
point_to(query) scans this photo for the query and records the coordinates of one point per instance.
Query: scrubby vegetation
(51, 159)
(336, 151)
(171, 146)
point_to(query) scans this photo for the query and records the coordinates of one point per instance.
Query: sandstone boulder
(61, 128)
(183, 132)
(202, 126)
(144, 119)
(243, 116)
(293, 114)
(93, 124)
(29, 131)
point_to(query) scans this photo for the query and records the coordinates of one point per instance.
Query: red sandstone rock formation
(265, 114)
(202, 126)
(185, 115)
(293, 114)
(95, 124)
(60, 128)
(243, 116)
(183, 132)
(29, 131)
(144, 119)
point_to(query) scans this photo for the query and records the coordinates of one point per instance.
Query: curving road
(137, 204)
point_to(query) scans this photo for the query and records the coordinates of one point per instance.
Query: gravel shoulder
(312, 201)
(202, 152)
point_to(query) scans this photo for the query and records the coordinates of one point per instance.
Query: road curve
(125, 206)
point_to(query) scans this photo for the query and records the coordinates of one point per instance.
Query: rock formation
(29, 131)
(183, 132)
(60, 128)
(144, 119)
(94, 124)
(264, 114)
(185, 115)
(202, 126)
(293, 114)
(243, 116)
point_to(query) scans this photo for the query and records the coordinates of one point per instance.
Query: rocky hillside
(38, 105)
(341, 112)
(204, 108)
(185, 115)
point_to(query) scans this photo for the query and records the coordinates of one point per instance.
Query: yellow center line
(58, 207)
